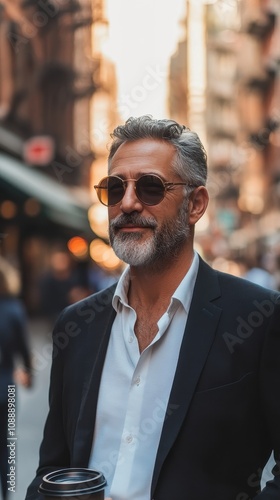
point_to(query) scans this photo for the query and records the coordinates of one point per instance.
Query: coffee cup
(73, 484)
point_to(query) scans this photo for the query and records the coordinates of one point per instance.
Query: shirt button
(129, 438)
(137, 381)
(130, 339)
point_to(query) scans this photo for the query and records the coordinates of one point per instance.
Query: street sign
(39, 150)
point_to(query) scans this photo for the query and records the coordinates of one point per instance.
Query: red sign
(39, 150)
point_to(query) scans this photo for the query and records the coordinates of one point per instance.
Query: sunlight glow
(142, 37)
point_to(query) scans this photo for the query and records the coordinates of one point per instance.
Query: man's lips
(131, 228)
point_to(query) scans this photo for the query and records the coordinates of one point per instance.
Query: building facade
(241, 108)
(48, 76)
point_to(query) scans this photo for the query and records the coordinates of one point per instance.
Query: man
(168, 382)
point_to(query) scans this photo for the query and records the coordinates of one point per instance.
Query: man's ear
(198, 203)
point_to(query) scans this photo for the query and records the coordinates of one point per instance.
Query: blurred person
(167, 382)
(255, 271)
(13, 347)
(58, 285)
(100, 279)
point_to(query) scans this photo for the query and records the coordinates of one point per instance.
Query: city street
(139, 133)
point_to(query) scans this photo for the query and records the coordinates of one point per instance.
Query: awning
(61, 205)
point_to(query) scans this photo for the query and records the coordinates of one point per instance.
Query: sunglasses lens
(150, 189)
(110, 191)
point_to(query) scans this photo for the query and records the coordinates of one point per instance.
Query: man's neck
(148, 287)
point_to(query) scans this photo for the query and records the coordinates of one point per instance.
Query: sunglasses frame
(166, 185)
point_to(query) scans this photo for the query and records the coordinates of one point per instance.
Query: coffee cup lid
(72, 481)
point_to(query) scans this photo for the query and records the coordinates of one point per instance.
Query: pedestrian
(167, 382)
(56, 284)
(257, 273)
(13, 347)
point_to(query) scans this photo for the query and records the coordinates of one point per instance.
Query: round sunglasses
(150, 189)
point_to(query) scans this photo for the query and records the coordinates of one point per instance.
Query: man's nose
(130, 202)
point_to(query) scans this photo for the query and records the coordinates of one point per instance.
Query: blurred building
(221, 114)
(178, 83)
(46, 81)
(235, 89)
(104, 118)
(259, 111)
(48, 75)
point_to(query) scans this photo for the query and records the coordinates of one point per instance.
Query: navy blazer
(223, 415)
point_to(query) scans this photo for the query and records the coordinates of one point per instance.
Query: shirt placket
(131, 436)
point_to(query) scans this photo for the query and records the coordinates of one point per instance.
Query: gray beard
(155, 252)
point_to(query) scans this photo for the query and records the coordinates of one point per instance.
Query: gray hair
(191, 159)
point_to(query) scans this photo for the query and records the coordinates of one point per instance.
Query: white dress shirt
(134, 392)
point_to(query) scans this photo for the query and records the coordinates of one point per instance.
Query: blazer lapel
(198, 338)
(99, 335)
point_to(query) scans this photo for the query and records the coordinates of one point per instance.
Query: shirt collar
(183, 292)
(120, 295)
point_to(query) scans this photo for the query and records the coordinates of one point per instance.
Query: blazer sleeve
(270, 396)
(54, 450)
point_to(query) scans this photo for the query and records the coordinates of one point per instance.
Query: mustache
(134, 220)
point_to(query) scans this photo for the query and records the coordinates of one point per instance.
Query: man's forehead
(143, 148)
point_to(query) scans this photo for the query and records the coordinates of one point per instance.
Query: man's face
(143, 235)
